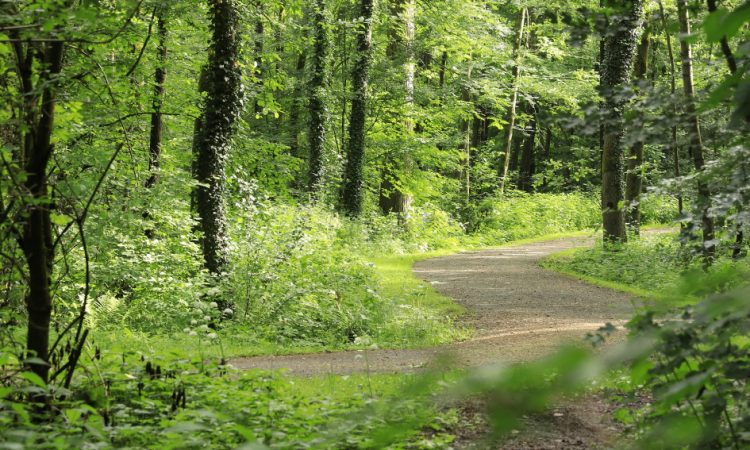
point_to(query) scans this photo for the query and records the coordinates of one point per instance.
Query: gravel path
(520, 311)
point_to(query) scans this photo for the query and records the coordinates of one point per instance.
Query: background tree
(213, 141)
(352, 193)
(619, 48)
(694, 131)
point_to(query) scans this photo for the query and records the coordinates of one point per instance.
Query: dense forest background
(188, 181)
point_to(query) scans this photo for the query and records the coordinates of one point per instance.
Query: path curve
(520, 311)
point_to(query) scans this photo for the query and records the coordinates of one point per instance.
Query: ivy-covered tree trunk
(526, 170)
(619, 47)
(157, 122)
(223, 83)
(514, 98)
(352, 193)
(694, 132)
(400, 51)
(318, 112)
(36, 238)
(634, 177)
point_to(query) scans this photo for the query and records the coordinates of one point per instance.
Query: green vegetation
(185, 182)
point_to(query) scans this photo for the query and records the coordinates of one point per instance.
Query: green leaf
(34, 379)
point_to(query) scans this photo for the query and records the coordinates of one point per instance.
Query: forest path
(520, 311)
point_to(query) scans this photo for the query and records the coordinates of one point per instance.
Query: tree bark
(36, 239)
(514, 97)
(317, 107)
(352, 194)
(634, 177)
(157, 122)
(619, 48)
(219, 114)
(694, 132)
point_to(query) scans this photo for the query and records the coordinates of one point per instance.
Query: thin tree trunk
(352, 194)
(514, 98)
(675, 149)
(619, 48)
(157, 123)
(220, 112)
(725, 49)
(694, 132)
(634, 177)
(317, 106)
(526, 170)
(443, 65)
(36, 240)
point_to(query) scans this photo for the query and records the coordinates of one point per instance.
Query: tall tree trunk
(634, 177)
(352, 194)
(218, 116)
(317, 106)
(694, 132)
(157, 123)
(36, 239)
(393, 199)
(514, 97)
(673, 148)
(526, 170)
(619, 48)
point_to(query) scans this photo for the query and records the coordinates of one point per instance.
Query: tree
(43, 65)
(634, 177)
(160, 76)
(352, 194)
(619, 48)
(317, 105)
(400, 51)
(523, 14)
(693, 129)
(222, 107)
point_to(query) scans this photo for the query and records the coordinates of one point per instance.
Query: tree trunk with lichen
(619, 47)
(353, 187)
(223, 86)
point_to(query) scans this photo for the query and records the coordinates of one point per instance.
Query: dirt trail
(520, 311)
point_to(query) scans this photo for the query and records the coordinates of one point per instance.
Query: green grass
(654, 268)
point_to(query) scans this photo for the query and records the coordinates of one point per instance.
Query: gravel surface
(520, 312)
